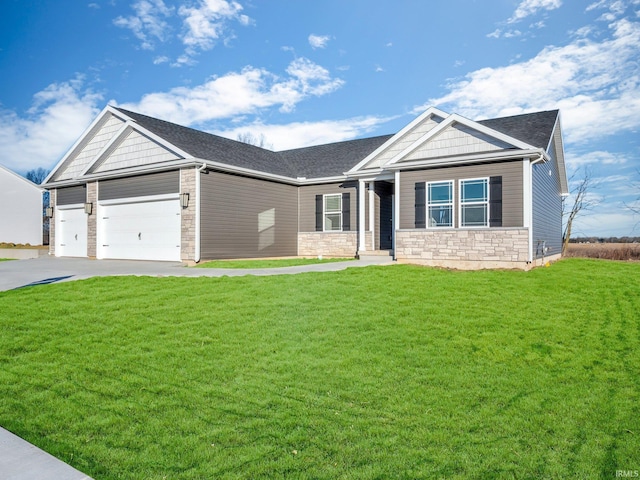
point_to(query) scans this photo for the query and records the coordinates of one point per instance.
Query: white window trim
(452, 205)
(460, 204)
(325, 212)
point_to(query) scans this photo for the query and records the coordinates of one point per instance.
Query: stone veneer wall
(52, 223)
(493, 247)
(92, 220)
(188, 215)
(328, 244)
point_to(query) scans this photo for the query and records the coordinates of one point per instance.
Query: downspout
(197, 220)
(530, 206)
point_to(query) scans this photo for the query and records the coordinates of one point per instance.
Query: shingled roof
(532, 128)
(331, 159)
(320, 161)
(215, 148)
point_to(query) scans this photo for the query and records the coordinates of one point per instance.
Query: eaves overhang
(467, 159)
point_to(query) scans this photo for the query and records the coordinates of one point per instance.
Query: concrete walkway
(19, 460)
(43, 270)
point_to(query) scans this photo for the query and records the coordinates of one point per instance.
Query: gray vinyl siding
(71, 195)
(307, 202)
(547, 207)
(140, 186)
(512, 192)
(233, 212)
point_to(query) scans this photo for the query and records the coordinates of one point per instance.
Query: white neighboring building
(20, 209)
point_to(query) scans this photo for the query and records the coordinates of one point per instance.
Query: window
(474, 202)
(440, 204)
(333, 212)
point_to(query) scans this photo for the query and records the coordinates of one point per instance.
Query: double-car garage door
(148, 230)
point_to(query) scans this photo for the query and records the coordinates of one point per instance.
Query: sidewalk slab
(19, 460)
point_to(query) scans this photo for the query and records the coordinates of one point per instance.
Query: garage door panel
(71, 233)
(140, 231)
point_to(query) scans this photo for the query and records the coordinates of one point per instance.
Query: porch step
(375, 253)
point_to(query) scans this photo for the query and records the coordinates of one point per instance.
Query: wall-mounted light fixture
(88, 208)
(48, 212)
(184, 200)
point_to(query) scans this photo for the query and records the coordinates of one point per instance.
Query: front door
(385, 192)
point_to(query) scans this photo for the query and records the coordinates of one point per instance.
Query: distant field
(367, 373)
(609, 251)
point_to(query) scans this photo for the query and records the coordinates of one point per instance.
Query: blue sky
(303, 73)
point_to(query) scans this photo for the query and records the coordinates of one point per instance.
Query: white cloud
(512, 33)
(596, 85)
(304, 134)
(612, 223)
(527, 8)
(205, 24)
(598, 157)
(318, 41)
(148, 24)
(58, 116)
(239, 93)
(161, 59)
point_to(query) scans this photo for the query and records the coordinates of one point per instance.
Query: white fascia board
(158, 167)
(315, 181)
(72, 150)
(372, 175)
(431, 111)
(466, 159)
(449, 121)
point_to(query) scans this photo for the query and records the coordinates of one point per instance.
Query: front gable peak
(437, 134)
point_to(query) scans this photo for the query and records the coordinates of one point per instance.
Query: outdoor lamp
(184, 200)
(88, 208)
(48, 212)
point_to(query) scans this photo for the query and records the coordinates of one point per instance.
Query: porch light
(48, 212)
(88, 208)
(184, 200)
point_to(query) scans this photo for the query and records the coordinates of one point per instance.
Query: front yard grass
(377, 372)
(268, 263)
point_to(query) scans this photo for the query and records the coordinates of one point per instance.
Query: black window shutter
(319, 215)
(346, 212)
(495, 201)
(420, 205)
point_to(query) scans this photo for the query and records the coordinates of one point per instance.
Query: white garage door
(71, 232)
(147, 230)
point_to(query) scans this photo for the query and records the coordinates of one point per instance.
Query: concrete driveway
(44, 270)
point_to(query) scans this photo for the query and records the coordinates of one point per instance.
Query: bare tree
(635, 206)
(251, 139)
(581, 202)
(37, 176)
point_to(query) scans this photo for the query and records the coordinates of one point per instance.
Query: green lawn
(6, 259)
(377, 372)
(272, 263)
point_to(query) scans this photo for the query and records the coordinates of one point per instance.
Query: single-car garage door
(139, 230)
(71, 232)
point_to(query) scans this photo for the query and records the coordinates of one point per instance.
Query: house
(445, 190)
(20, 209)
